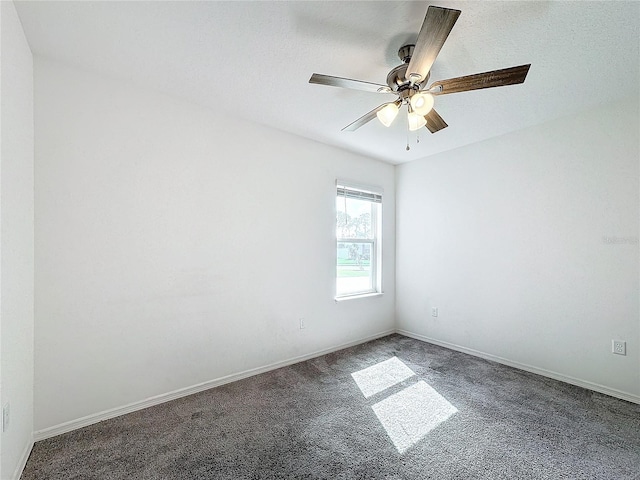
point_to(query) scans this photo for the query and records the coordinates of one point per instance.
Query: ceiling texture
(253, 60)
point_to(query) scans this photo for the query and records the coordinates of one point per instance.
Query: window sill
(363, 295)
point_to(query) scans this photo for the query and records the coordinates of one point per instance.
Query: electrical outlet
(302, 323)
(5, 416)
(619, 347)
(434, 311)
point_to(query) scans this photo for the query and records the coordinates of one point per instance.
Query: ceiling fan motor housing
(397, 80)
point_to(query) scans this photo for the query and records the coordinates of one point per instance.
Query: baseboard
(629, 397)
(23, 460)
(183, 392)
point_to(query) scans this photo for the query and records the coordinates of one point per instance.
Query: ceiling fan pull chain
(408, 148)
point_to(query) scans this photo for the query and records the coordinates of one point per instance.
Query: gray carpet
(427, 413)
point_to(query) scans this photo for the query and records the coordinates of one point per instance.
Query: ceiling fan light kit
(408, 80)
(388, 113)
(422, 102)
(416, 121)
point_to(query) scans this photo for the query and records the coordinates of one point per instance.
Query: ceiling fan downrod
(405, 53)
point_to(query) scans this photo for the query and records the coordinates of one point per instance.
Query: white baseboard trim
(629, 397)
(183, 392)
(23, 460)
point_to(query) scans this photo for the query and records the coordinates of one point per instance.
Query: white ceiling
(253, 60)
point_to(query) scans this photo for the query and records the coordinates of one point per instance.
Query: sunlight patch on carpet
(381, 376)
(412, 413)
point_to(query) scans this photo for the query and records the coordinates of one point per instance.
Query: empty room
(319, 240)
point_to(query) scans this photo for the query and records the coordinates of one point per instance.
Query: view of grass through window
(355, 231)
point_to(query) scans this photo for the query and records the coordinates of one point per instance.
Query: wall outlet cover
(619, 347)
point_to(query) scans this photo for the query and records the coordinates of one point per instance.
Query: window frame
(375, 196)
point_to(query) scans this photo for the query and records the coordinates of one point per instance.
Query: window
(358, 227)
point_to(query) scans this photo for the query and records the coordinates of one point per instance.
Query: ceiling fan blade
(434, 121)
(366, 118)
(348, 83)
(435, 29)
(495, 78)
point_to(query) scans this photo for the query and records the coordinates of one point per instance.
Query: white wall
(528, 245)
(174, 246)
(16, 244)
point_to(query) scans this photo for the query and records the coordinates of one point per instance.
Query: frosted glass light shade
(422, 103)
(387, 114)
(416, 121)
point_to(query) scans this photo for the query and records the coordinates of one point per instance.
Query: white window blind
(359, 194)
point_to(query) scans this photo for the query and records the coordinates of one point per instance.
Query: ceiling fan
(408, 80)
